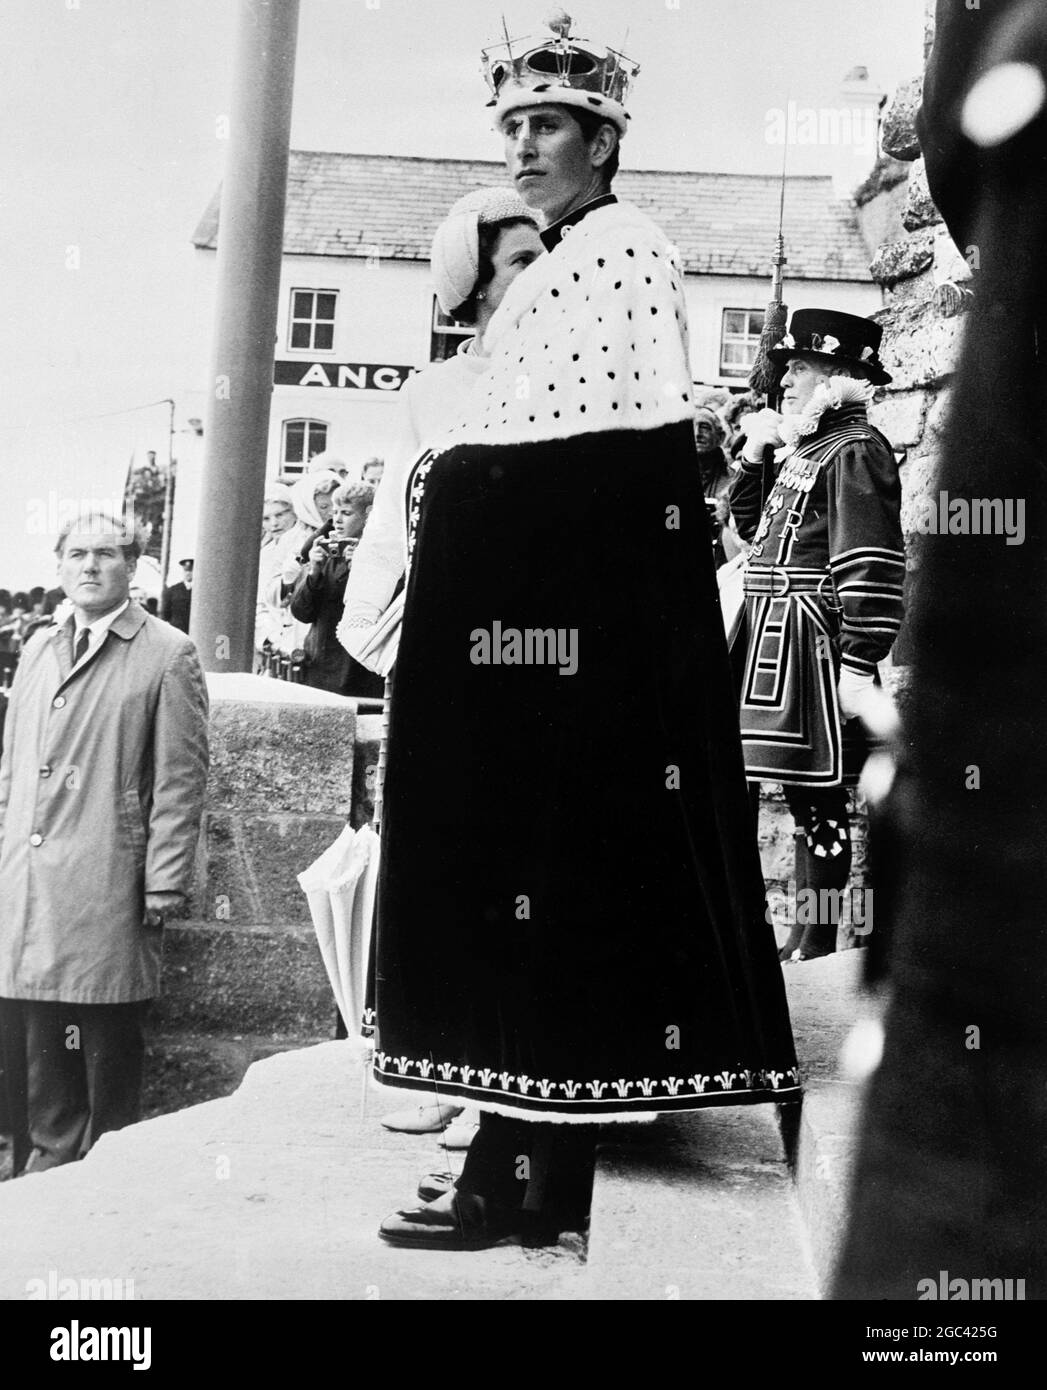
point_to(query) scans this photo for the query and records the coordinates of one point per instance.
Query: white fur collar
(591, 337)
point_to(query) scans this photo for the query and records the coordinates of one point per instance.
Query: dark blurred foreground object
(950, 1169)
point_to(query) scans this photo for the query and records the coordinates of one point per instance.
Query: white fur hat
(455, 257)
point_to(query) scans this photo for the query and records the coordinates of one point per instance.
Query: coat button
(59, 702)
(36, 838)
(45, 771)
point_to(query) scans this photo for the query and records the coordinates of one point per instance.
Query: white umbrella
(340, 887)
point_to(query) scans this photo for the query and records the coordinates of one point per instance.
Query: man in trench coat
(101, 792)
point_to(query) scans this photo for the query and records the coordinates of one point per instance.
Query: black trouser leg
(114, 1057)
(14, 1080)
(823, 816)
(85, 1075)
(538, 1167)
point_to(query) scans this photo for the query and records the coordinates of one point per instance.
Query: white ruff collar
(833, 394)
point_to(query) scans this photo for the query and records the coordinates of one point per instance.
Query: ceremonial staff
(765, 377)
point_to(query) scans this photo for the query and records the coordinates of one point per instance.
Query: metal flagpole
(250, 248)
(165, 548)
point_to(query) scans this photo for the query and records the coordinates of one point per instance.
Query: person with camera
(319, 594)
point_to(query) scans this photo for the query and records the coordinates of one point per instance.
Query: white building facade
(358, 314)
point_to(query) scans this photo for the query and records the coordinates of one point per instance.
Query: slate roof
(724, 224)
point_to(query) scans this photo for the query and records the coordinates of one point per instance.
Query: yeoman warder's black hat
(845, 339)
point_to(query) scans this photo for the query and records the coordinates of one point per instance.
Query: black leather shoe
(435, 1185)
(471, 1224)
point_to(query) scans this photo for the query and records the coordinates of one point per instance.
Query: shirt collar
(102, 624)
(552, 236)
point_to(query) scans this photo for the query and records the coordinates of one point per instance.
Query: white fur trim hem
(514, 1112)
(686, 1104)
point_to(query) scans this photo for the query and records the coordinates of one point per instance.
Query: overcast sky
(110, 110)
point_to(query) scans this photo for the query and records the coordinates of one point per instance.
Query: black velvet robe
(571, 920)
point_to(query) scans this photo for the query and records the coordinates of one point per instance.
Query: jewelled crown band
(568, 71)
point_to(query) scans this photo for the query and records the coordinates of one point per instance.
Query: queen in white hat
(485, 241)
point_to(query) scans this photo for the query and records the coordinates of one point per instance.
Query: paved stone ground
(698, 1207)
(825, 1002)
(277, 1192)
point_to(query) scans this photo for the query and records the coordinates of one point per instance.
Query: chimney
(861, 105)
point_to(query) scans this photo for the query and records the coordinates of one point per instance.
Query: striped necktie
(82, 643)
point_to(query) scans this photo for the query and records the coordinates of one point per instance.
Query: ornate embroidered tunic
(823, 590)
(571, 918)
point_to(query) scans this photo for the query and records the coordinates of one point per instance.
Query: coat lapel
(125, 626)
(63, 642)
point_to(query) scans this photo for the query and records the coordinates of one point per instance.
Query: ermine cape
(571, 920)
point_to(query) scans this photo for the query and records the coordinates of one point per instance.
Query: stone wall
(925, 282)
(243, 976)
(924, 278)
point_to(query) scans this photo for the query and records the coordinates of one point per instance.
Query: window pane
(323, 337)
(317, 439)
(300, 335)
(325, 306)
(733, 321)
(755, 322)
(302, 304)
(294, 441)
(446, 335)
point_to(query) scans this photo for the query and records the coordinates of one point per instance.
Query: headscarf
(278, 492)
(303, 497)
(326, 461)
(709, 416)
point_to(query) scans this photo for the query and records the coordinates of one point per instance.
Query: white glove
(760, 429)
(861, 698)
(854, 690)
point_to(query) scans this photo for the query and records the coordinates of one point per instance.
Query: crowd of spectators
(22, 613)
(311, 528)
